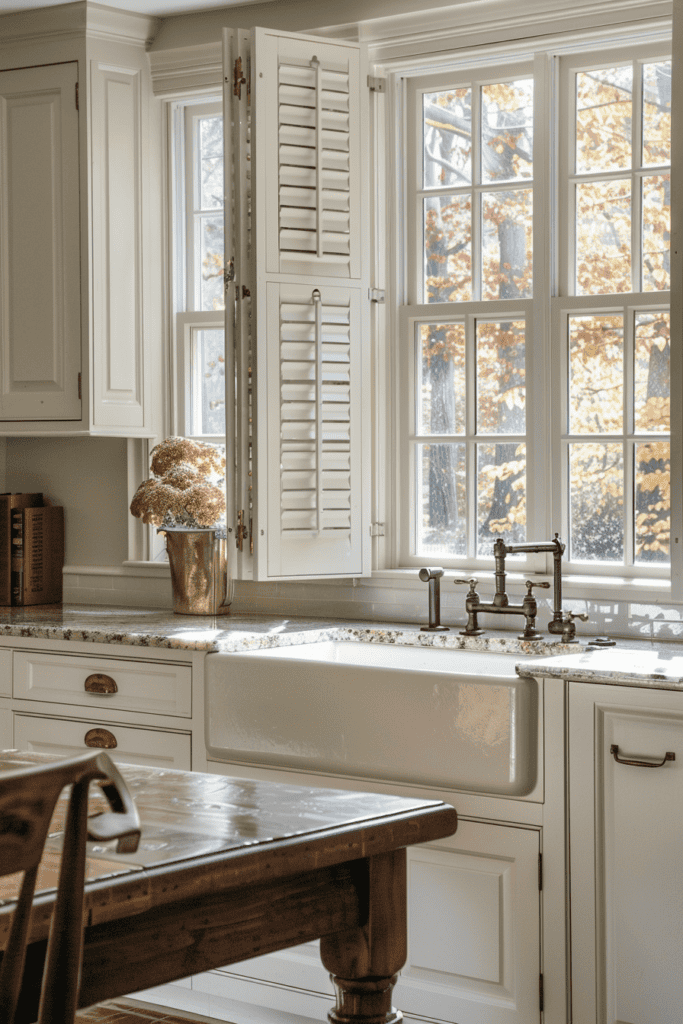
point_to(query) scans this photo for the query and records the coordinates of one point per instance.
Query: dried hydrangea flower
(180, 493)
(174, 450)
(153, 500)
(204, 503)
(182, 476)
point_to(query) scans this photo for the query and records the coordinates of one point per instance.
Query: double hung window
(535, 335)
(199, 289)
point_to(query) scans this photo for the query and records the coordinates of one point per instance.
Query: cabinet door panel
(626, 856)
(40, 328)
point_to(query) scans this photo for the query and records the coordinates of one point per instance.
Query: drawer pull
(669, 756)
(100, 738)
(99, 683)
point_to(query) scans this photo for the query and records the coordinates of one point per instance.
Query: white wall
(88, 476)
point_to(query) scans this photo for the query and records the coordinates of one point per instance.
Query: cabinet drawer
(133, 746)
(144, 686)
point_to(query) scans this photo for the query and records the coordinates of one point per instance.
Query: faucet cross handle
(530, 584)
(471, 583)
(569, 625)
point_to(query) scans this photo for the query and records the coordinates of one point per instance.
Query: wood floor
(121, 1013)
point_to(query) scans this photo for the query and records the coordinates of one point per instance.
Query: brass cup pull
(669, 756)
(99, 683)
(100, 738)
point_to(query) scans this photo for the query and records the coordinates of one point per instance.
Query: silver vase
(202, 583)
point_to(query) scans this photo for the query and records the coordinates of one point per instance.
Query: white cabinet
(79, 226)
(626, 855)
(40, 326)
(137, 708)
(65, 737)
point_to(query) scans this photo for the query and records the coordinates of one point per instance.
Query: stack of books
(31, 550)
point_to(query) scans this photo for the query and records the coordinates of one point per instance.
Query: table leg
(364, 962)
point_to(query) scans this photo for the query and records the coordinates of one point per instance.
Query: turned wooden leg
(364, 962)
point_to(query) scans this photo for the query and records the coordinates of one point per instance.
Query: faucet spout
(557, 548)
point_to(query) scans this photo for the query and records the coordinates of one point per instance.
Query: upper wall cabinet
(79, 226)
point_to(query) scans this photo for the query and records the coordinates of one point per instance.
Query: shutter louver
(306, 288)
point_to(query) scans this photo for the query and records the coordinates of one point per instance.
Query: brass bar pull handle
(98, 682)
(100, 738)
(669, 756)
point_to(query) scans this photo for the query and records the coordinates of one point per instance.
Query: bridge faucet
(500, 604)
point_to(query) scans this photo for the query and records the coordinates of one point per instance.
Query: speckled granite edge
(631, 663)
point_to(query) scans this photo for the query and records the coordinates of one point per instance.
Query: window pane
(441, 398)
(507, 223)
(501, 495)
(603, 237)
(208, 382)
(596, 502)
(447, 138)
(211, 257)
(603, 119)
(500, 377)
(653, 502)
(657, 113)
(448, 249)
(596, 374)
(211, 162)
(651, 373)
(656, 232)
(507, 131)
(442, 501)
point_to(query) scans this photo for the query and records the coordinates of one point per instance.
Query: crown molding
(76, 21)
(485, 22)
(187, 69)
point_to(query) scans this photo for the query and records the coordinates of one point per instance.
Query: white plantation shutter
(306, 350)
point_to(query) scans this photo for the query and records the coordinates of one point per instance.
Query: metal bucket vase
(202, 584)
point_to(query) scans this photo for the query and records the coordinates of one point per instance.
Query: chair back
(27, 800)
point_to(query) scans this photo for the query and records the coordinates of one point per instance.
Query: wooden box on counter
(31, 550)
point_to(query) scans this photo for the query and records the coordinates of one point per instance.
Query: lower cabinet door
(626, 854)
(123, 744)
(473, 940)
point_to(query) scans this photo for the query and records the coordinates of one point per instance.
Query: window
(199, 285)
(535, 338)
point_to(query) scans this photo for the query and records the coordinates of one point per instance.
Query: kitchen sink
(442, 718)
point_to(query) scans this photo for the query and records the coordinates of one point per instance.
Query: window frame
(550, 269)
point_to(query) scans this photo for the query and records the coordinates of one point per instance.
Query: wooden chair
(27, 801)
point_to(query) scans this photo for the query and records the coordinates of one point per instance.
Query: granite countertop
(631, 662)
(149, 627)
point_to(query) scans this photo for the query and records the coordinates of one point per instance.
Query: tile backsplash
(372, 599)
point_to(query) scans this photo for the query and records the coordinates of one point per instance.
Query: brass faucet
(500, 605)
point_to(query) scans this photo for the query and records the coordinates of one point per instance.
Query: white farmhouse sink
(436, 717)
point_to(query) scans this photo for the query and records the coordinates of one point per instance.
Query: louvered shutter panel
(307, 287)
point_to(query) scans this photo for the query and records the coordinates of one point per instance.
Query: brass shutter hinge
(79, 386)
(241, 531)
(377, 84)
(238, 79)
(376, 529)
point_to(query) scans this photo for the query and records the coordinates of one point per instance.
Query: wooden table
(228, 869)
